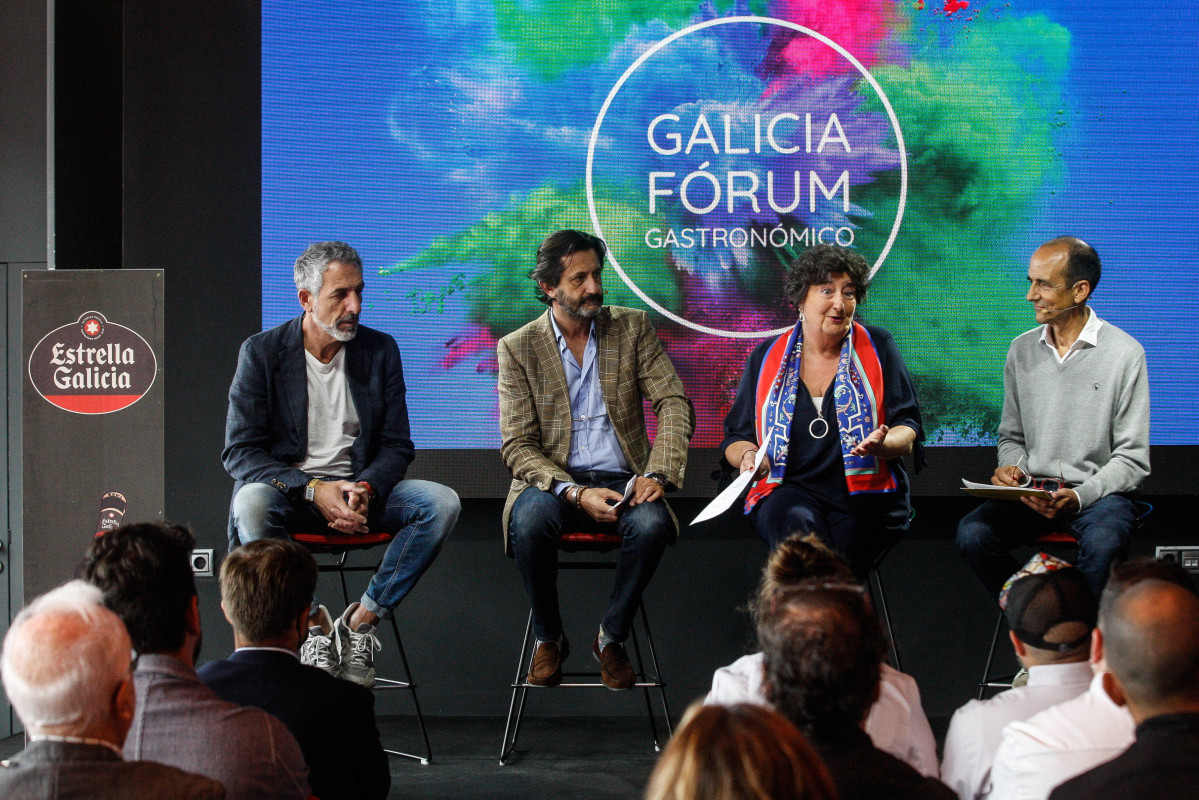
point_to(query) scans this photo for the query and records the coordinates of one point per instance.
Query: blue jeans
(421, 512)
(989, 532)
(539, 518)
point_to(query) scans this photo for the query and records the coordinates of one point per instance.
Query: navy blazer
(332, 719)
(266, 430)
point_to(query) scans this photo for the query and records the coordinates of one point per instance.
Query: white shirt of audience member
(1060, 742)
(896, 723)
(976, 728)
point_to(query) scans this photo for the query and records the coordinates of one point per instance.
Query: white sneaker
(357, 650)
(322, 648)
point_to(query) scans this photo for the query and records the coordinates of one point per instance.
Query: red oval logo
(92, 366)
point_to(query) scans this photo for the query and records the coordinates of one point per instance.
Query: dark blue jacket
(266, 429)
(332, 719)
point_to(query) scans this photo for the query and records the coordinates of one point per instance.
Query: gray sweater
(1090, 413)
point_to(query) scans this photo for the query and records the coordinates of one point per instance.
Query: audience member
(822, 647)
(266, 588)
(738, 752)
(1151, 635)
(896, 722)
(144, 572)
(1050, 615)
(65, 667)
(1072, 737)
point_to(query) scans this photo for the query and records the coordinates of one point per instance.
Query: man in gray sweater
(1075, 411)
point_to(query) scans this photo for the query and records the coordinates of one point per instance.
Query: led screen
(710, 142)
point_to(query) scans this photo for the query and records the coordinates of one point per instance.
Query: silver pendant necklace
(823, 429)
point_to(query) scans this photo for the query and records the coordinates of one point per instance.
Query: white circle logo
(741, 133)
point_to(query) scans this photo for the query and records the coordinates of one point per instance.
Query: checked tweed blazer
(535, 402)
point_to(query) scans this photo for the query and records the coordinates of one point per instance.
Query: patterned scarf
(857, 395)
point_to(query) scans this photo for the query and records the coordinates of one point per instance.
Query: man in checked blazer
(572, 385)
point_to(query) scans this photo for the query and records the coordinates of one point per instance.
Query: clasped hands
(343, 504)
(1063, 501)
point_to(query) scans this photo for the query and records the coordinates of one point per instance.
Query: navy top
(815, 466)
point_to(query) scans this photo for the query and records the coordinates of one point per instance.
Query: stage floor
(576, 758)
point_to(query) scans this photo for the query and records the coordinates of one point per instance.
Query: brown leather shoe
(546, 669)
(615, 670)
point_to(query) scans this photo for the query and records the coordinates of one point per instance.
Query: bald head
(1152, 647)
(64, 660)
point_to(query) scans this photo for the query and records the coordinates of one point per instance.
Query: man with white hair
(66, 670)
(317, 440)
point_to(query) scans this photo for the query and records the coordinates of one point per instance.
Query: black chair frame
(588, 680)
(341, 566)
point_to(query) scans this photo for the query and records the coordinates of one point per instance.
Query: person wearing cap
(1067, 739)
(1050, 616)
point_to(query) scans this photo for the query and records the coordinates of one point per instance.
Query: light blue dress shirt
(593, 442)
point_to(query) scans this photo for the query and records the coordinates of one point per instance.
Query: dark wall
(86, 204)
(191, 186)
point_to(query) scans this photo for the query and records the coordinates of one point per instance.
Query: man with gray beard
(317, 440)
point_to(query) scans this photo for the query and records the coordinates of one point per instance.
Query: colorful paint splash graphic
(975, 92)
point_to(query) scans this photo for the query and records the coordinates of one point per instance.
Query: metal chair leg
(661, 684)
(383, 684)
(985, 683)
(516, 706)
(881, 601)
(643, 679)
(410, 685)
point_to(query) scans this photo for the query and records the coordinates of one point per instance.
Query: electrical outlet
(1186, 556)
(202, 563)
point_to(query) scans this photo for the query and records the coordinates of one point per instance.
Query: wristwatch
(659, 478)
(310, 490)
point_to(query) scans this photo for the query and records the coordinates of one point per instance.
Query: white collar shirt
(975, 730)
(1062, 741)
(896, 723)
(1087, 337)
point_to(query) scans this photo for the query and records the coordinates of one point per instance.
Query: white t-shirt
(896, 722)
(1060, 742)
(977, 727)
(332, 418)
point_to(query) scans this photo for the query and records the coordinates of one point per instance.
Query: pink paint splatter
(474, 340)
(860, 26)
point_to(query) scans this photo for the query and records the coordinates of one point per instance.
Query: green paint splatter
(502, 298)
(554, 36)
(980, 131)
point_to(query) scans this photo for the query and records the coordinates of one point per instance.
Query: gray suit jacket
(535, 401)
(181, 722)
(67, 771)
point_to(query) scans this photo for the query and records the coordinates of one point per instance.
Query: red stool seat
(589, 541)
(1057, 537)
(337, 542)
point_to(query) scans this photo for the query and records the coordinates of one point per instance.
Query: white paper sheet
(723, 501)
